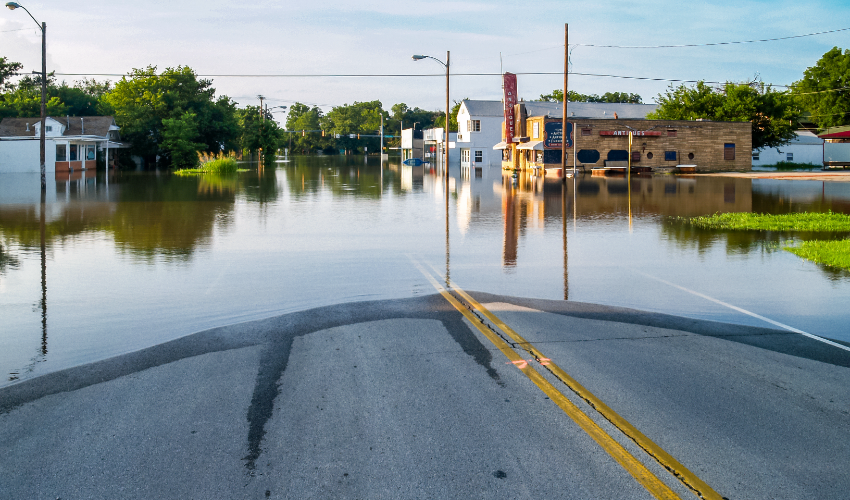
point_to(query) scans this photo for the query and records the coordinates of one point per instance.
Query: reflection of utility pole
(448, 280)
(566, 93)
(564, 232)
(42, 223)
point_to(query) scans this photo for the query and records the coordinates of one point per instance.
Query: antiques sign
(552, 135)
(509, 83)
(635, 133)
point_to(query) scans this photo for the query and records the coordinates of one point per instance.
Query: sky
(376, 37)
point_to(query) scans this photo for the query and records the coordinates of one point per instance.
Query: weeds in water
(790, 165)
(744, 221)
(834, 253)
(213, 163)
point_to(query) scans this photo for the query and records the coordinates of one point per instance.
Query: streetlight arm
(420, 57)
(14, 5)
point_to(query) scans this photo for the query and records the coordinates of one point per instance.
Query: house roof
(484, 108)
(806, 137)
(596, 110)
(554, 109)
(94, 125)
(836, 133)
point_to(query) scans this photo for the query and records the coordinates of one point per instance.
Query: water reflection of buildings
(530, 202)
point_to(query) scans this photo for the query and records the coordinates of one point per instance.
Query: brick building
(599, 142)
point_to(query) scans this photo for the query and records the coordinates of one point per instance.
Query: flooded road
(109, 266)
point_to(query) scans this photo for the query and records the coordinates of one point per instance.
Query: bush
(219, 164)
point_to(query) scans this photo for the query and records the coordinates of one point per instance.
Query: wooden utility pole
(448, 110)
(564, 135)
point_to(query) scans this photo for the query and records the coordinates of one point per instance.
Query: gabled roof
(94, 125)
(484, 108)
(554, 109)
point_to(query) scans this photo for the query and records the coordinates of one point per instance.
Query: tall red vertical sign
(509, 84)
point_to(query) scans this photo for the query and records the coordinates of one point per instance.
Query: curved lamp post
(43, 27)
(448, 110)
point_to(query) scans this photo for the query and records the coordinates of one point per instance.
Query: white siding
(836, 152)
(23, 156)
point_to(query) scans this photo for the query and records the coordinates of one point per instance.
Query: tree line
(168, 117)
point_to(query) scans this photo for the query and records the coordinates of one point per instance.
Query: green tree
(259, 132)
(557, 95)
(360, 118)
(178, 140)
(440, 121)
(8, 69)
(304, 118)
(143, 99)
(771, 113)
(824, 90)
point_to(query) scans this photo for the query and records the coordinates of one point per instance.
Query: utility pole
(564, 135)
(262, 122)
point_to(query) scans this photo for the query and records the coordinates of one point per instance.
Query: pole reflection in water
(43, 229)
(448, 279)
(564, 233)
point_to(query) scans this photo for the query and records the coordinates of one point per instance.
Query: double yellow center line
(631, 464)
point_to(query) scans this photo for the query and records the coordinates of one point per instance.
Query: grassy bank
(832, 253)
(803, 222)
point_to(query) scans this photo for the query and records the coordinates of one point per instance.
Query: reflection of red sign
(636, 133)
(509, 83)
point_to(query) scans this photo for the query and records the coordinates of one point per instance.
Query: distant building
(806, 147)
(597, 136)
(71, 143)
(836, 148)
(427, 145)
(479, 129)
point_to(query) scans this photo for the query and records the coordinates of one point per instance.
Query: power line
(708, 44)
(714, 44)
(442, 75)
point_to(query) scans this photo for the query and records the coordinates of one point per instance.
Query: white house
(805, 148)
(71, 143)
(479, 129)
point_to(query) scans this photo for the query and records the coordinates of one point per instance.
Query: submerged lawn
(744, 221)
(832, 253)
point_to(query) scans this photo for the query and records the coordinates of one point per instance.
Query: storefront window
(73, 152)
(89, 152)
(61, 152)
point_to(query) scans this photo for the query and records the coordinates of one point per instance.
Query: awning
(501, 145)
(535, 145)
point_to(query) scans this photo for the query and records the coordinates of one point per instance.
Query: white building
(805, 148)
(479, 129)
(71, 143)
(427, 145)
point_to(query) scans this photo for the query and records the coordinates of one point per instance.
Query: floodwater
(110, 265)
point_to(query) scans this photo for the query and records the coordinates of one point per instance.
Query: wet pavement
(407, 399)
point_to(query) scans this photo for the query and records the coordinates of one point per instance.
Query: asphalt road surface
(415, 399)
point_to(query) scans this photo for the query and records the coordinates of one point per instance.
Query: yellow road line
(684, 475)
(631, 464)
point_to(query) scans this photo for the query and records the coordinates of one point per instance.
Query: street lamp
(43, 26)
(446, 137)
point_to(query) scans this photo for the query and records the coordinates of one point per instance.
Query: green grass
(834, 253)
(744, 221)
(790, 165)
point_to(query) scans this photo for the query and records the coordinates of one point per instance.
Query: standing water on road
(110, 265)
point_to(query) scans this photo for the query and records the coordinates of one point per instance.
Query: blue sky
(379, 36)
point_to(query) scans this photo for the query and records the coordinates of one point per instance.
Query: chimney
(68, 119)
(616, 117)
(28, 127)
(83, 125)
